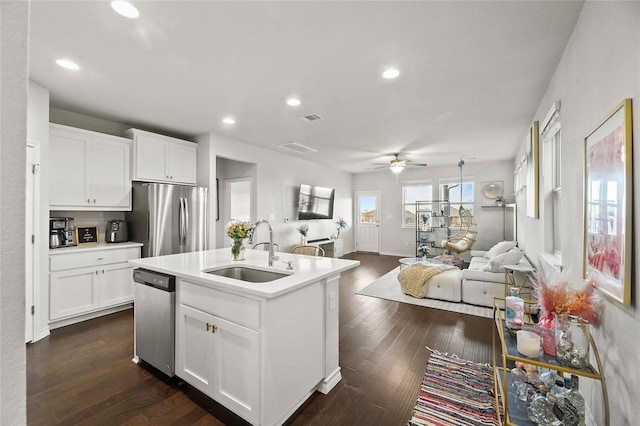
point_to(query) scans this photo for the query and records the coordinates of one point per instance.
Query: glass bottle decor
(237, 249)
(572, 341)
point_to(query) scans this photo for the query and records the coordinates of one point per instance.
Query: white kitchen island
(259, 349)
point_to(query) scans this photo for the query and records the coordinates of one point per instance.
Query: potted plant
(303, 230)
(341, 224)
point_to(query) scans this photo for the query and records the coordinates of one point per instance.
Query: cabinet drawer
(237, 309)
(82, 259)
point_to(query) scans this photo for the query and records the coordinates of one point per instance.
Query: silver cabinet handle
(88, 200)
(103, 271)
(97, 272)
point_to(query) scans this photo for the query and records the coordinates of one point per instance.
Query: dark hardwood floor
(83, 374)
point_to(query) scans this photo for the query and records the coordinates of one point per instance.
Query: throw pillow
(509, 258)
(500, 248)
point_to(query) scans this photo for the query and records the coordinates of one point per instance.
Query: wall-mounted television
(315, 202)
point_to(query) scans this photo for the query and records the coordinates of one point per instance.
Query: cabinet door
(194, 348)
(182, 162)
(73, 292)
(116, 284)
(110, 178)
(236, 372)
(221, 359)
(68, 171)
(150, 158)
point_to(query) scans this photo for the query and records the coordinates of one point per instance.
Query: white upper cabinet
(159, 158)
(88, 170)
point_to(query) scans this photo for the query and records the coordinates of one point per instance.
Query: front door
(368, 222)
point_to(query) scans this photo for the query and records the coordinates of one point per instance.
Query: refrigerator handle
(186, 221)
(181, 221)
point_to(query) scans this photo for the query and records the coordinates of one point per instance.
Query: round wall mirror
(492, 191)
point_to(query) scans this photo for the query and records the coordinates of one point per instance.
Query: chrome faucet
(272, 256)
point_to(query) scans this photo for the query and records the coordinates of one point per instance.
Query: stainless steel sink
(242, 273)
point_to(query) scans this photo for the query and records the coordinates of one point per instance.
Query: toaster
(116, 232)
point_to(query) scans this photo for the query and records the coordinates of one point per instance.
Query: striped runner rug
(455, 392)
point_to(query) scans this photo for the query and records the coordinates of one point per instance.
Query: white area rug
(387, 287)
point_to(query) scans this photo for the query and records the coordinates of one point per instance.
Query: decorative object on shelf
(572, 341)
(340, 225)
(425, 220)
(528, 343)
(514, 310)
(303, 230)
(608, 204)
(423, 250)
(238, 230)
(492, 194)
(559, 297)
(533, 153)
(86, 234)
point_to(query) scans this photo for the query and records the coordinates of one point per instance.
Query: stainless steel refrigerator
(168, 219)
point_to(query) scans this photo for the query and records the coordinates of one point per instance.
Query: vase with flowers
(303, 230)
(423, 251)
(238, 230)
(565, 318)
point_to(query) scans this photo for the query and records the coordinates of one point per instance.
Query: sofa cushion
(499, 248)
(495, 264)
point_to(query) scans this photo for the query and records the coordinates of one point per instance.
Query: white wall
(398, 241)
(278, 177)
(14, 20)
(599, 68)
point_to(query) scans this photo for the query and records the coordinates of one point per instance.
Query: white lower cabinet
(73, 292)
(219, 358)
(82, 282)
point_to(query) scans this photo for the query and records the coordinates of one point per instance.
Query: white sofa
(480, 283)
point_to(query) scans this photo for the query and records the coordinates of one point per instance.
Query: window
(551, 136)
(453, 185)
(411, 193)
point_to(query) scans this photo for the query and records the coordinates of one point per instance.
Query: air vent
(311, 117)
(294, 146)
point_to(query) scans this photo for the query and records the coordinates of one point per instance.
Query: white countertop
(92, 247)
(306, 269)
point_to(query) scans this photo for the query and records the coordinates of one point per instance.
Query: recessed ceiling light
(293, 102)
(66, 63)
(125, 8)
(228, 120)
(391, 73)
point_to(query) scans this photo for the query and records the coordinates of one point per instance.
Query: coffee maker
(61, 232)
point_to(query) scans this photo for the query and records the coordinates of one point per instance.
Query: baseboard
(329, 383)
(68, 321)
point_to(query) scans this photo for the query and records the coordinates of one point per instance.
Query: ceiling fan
(397, 165)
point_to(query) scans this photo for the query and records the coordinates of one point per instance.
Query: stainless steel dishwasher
(154, 314)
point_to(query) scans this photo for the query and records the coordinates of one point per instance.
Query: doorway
(368, 221)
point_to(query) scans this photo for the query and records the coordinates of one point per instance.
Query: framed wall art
(608, 203)
(532, 180)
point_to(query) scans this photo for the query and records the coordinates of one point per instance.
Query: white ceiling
(472, 73)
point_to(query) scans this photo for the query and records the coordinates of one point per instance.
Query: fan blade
(417, 165)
